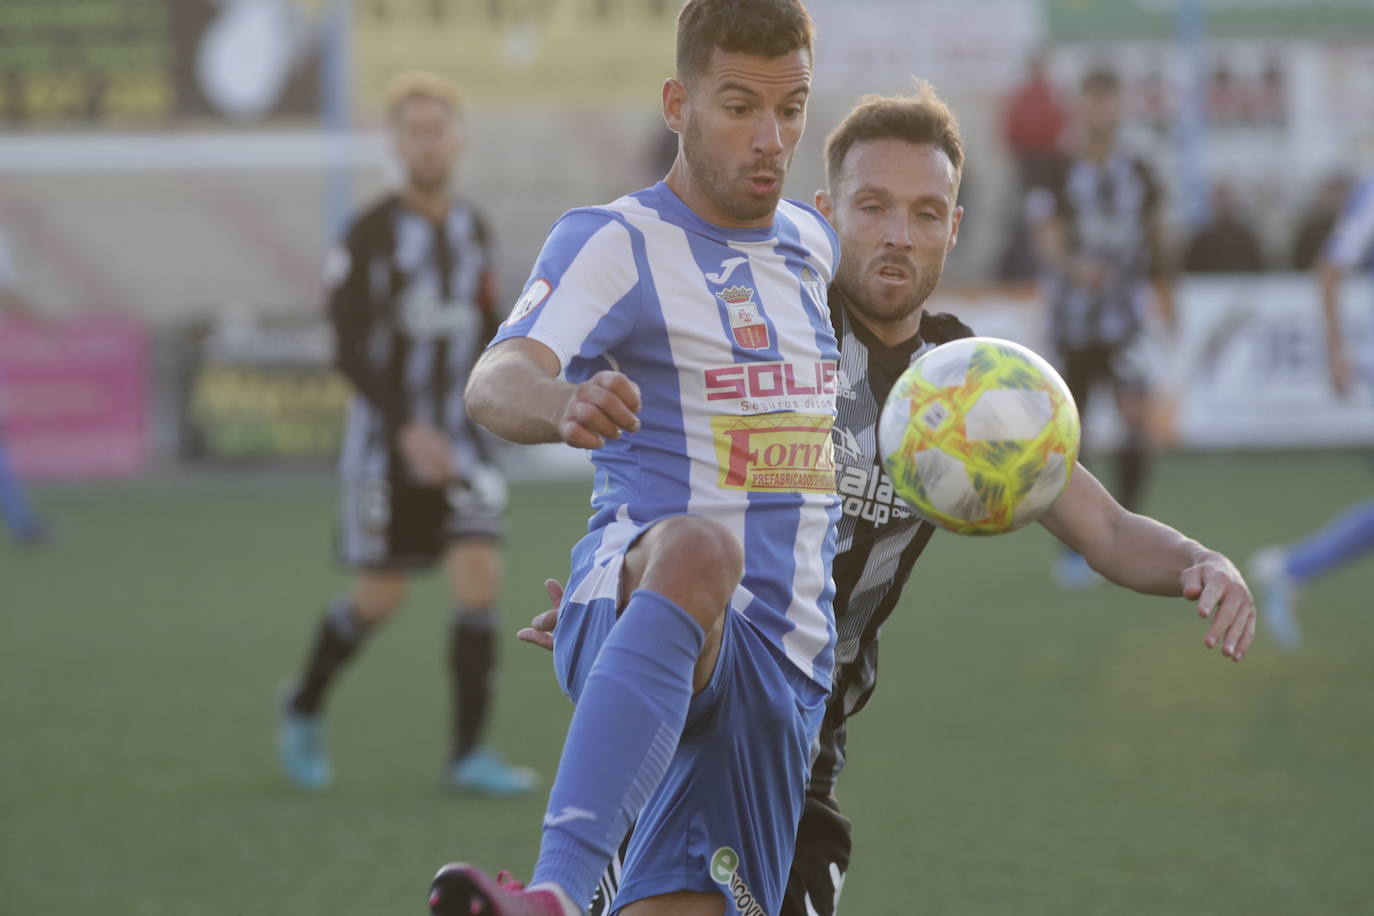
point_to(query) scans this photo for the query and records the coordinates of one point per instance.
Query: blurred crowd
(1036, 126)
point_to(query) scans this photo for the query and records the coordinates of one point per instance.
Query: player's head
(892, 173)
(425, 114)
(1099, 104)
(738, 103)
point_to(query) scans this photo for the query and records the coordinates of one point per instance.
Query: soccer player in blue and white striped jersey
(682, 334)
(1284, 570)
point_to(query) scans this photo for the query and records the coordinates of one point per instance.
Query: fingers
(536, 638)
(1222, 595)
(1191, 580)
(545, 622)
(621, 386)
(554, 588)
(600, 409)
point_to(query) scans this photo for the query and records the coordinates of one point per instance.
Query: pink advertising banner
(74, 396)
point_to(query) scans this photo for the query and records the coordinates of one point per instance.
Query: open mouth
(893, 274)
(762, 184)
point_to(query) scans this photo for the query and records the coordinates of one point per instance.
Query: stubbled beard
(712, 179)
(849, 279)
(428, 183)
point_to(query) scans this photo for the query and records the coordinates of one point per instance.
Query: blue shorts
(724, 818)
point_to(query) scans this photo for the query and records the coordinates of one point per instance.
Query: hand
(540, 630)
(600, 409)
(428, 453)
(1222, 594)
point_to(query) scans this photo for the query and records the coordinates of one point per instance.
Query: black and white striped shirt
(413, 303)
(880, 538)
(1107, 211)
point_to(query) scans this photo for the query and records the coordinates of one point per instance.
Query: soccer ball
(979, 435)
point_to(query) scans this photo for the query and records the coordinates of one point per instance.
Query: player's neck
(681, 183)
(431, 203)
(890, 333)
(1099, 148)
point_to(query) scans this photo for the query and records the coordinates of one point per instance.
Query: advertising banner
(1247, 369)
(1130, 19)
(263, 390)
(74, 396)
(101, 62)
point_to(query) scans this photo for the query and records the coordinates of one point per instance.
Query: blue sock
(1344, 538)
(623, 734)
(14, 507)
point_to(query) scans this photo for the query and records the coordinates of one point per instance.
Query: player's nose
(768, 136)
(898, 232)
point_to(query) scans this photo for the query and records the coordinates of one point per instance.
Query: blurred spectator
(1099, 236)
(1224, 244)
(1033, 120)
(18, 513)
(1318, 221)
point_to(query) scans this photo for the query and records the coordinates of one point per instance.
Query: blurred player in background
(412, 297)
(18, 513)
(1285, 569)
(1098, 234)
(893, 167)
(688, 322)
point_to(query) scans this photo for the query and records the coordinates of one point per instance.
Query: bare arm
(1147, 556)
(515, 392)
(1161, 272)
(1329, 278)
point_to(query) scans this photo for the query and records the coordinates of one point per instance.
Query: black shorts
(392, 523)
(821, 861)
(819, 864)
(1086, 368)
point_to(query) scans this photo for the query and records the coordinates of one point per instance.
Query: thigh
(724, 819)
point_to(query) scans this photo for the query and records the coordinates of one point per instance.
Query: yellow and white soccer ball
(979, 436)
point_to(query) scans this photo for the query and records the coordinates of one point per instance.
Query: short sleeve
(583, 296)
(1351, 241)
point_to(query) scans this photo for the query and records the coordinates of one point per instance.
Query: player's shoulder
(814, 230)
(373, 224)
(481, 223)
(942, 327)
(573, 230)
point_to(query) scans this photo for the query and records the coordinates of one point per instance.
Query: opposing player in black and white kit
(893, 168)
(1099, 236)
(412, 299)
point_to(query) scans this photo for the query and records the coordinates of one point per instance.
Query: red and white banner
(74, 396)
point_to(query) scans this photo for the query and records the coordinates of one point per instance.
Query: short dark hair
(767, 28)
(1100, 78)
(920, 118)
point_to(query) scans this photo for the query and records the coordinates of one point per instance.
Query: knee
(377, 599)
(696, 563)
(703, 549)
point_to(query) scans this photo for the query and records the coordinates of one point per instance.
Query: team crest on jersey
(533, 298)
(746, 324)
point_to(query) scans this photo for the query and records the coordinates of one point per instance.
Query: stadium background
(170, 175)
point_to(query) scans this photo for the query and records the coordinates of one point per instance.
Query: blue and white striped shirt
(727, 333)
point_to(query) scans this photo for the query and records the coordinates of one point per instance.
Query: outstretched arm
(515, 392)
(1147, 556)
(1330, 276)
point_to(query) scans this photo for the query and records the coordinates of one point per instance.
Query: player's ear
(674, 105)
(954, 229)
(825, 205)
